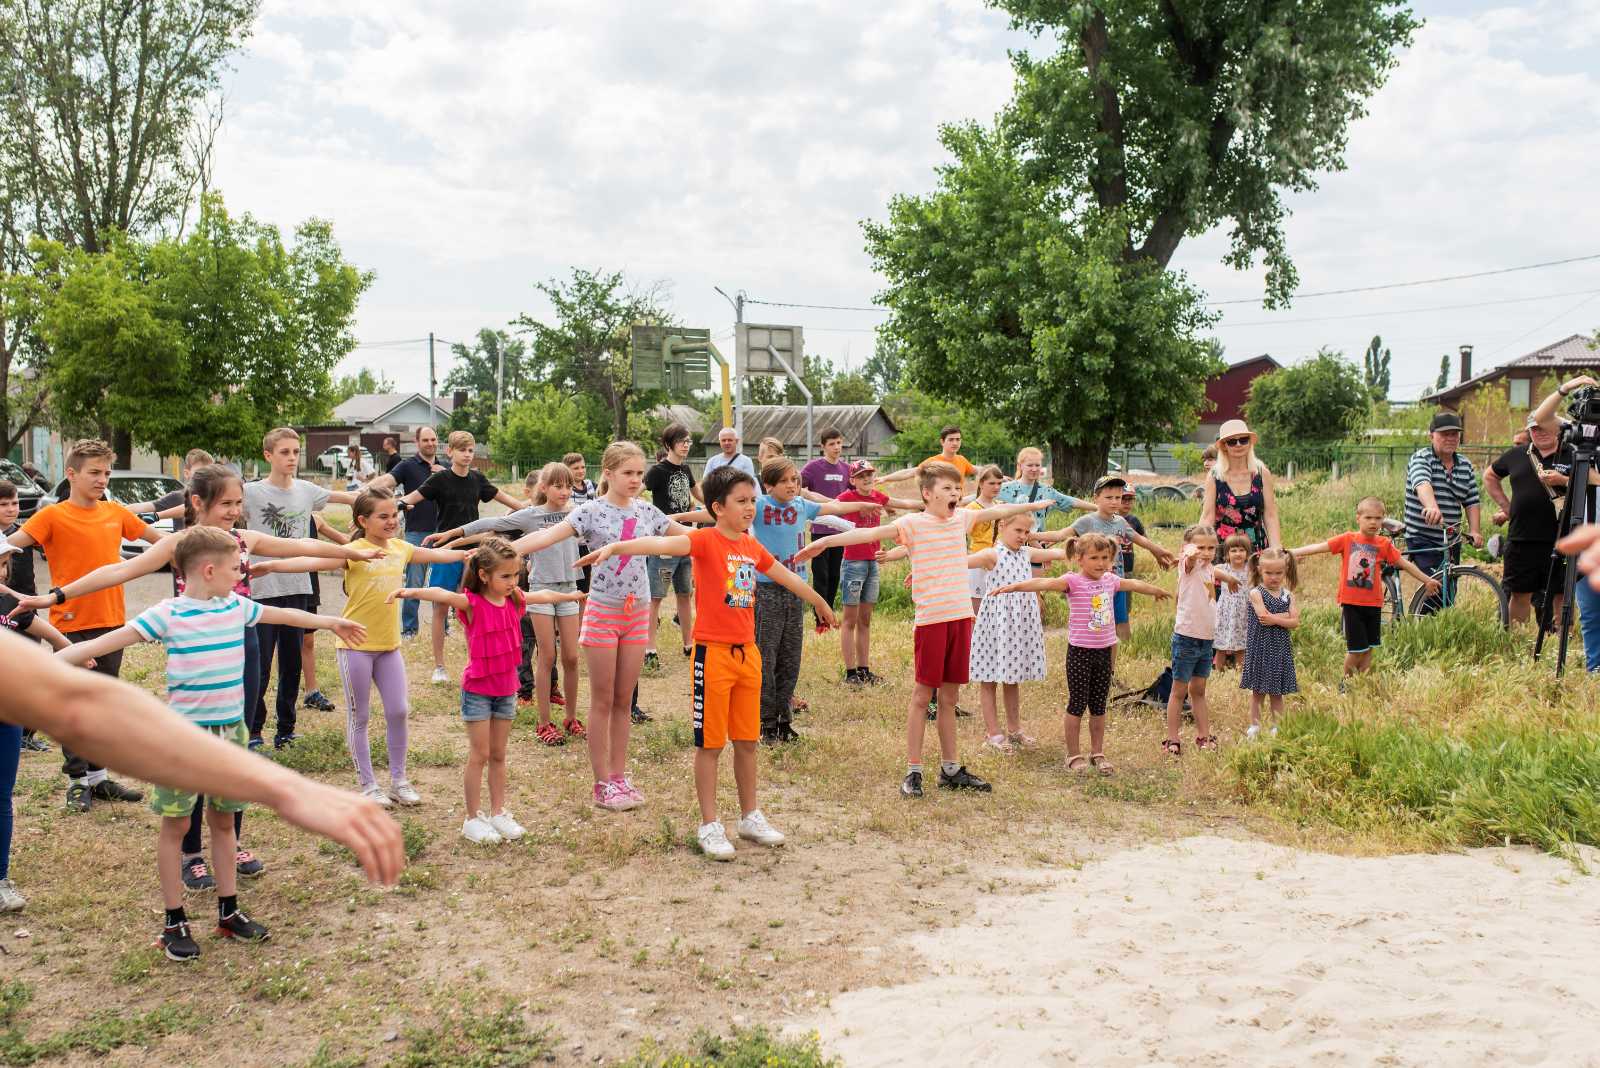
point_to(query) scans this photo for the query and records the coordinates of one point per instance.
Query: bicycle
(1464, 587)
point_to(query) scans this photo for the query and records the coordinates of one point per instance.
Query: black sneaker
(639, 715)
(911, 785)
(872, 678)
(317, 700)
(257, 742)
(196, 876)
(238, 925)
(177, 943)
(853, 677)
(962, 713)
(786, 733)
(284, 741)
(79, 797)
(111, 790)
(33, 744)
(248, 864)
(652, 664)
(769, 736)
(963, 780)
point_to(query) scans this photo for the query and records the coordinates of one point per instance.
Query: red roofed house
(1227, 394)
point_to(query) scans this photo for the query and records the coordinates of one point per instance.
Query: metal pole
(738, 379)
(801, 383)
(499, 382)
(432, 402)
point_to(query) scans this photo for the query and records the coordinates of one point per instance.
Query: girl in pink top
(490, 608)
(1091, 639)
(1193, 634)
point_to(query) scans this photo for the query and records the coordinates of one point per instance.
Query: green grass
(322, 750)
(1494, 782)
(754, 1048)
(97, 1035)
(468, 1036)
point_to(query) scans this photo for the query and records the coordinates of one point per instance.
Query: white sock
(94, 778)
(950, 767)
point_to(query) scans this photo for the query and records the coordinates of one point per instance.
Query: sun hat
(1233, 428)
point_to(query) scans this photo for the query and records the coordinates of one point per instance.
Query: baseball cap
(862, 467)
(7, 547)
(1445, 421)
(1105, 481)
(1129, 491)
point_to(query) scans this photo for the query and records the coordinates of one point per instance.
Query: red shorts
(941, 652)
(727, 694)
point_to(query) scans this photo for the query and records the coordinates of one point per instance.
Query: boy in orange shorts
(937, 541)
(727, 664)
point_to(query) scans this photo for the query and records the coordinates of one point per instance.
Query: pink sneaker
(624, 792)
(607, 796)
(626, 785)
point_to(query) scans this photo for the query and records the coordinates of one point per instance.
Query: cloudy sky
(466, 151)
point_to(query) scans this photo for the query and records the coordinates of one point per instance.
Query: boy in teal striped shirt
(203, 632)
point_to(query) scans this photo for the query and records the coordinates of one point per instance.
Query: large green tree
(541, 428)
(198, 341)
(1150, 121)
(1375, 369)
(478, 369)
(1324, 399)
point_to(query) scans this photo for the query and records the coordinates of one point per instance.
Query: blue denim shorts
(858, 581)
(1119, 606)
(678, 571)
(1191, 657)
(477, 707)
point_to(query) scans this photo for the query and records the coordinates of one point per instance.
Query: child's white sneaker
(440, 676)
(505, 826)
(480, 831)
(756, 828)
(378, 795)
(405, 793)
(1252, 732)
(714, 841)
(10, 900)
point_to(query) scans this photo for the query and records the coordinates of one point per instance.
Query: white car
(335, 459)
(133, 487)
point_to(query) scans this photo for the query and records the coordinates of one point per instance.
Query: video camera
(1581, 429)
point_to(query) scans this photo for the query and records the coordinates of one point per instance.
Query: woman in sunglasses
(1238, 497)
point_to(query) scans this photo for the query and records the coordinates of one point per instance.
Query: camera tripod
(1572, 514)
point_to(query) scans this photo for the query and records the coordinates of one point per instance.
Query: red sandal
(1172, 748)
(1208, 743)
(574, 727)
(549, 735)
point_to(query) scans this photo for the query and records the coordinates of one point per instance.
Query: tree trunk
(1074, 468)
(619, 416)
(122, 444)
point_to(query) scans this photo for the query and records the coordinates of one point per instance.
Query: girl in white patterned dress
(1233, 603)
(1008, 638)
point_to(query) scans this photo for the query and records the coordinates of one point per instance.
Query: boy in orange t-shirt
(77, 535)
(727, 664)
(1362, 554)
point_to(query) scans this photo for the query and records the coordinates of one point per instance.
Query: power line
(817, 307)
(1406, 311)
(1419, 281)
(1541, 326)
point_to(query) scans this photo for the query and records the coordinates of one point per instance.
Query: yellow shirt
(981, 536)
(366, 584)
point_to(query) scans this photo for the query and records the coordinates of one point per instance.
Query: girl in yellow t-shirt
(376, 661)
(981, 536)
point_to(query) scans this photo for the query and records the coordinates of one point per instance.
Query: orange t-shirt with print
(1361, 561)
(76, 541)
(725, 585)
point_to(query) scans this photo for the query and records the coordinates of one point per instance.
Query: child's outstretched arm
(1163, 557)
(1044, 556)
(905, 504)
(1038, 585)
(1052, 537)
(295, 565)
(1420, 575)
(1309, 550)
(668, 545)
(802, 589)
(109, 642)
(348, 629)
(996, 512)
(984, 558)
(1136, 586)
(849, 507)
(859, 536)
(1219, 576)
(439, 556)
(334, 534)
(40, 628)
(529, 544)
(699, 515)
(550, 596)
(887, 556)
(429, 593)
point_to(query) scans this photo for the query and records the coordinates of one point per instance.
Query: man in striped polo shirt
(1440, 486)
(203, 632)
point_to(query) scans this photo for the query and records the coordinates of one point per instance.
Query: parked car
(133, 487)
(335, 459)
(30, 495)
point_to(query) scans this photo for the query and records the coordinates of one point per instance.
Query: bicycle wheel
(1472, 591)
(1394, 604)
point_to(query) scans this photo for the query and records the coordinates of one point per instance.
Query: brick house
(1494, 404)
(1227, 394)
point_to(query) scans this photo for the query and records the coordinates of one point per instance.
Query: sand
(1214, 951)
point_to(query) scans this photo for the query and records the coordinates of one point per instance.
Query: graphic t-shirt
(780, 528)
(938, 550)
(1091, 624)
(367, 583)
(598, 524)
(21, 622)
(205, 653)
(554, 564)
(863, 520)
(457, 496)
(669, 485)
(725, 572)
(828, 479)
(1533, 509)
(1116, 528)
(76, 541)
(283, 513)
(1359, 571)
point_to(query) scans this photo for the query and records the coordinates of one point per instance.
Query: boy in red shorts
(937, 541)
(727, 664)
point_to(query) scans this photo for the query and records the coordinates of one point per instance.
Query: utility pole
(432, 402)
(499, 380)
(738, 379)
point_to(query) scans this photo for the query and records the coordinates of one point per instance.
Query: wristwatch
(59, 595)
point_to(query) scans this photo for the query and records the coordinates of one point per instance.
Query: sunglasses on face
(1234, 443)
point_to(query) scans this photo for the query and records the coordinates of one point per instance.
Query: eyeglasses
(1234, 443)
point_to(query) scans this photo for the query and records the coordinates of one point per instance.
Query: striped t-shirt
(938, 549)
(1091, 624)
(1455, 490)
(205, 654)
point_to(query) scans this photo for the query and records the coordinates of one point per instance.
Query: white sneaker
(505, 826)
(1273, 732)
(405, 793)
(1252, 732)
(480, 831)
(377, 794)
(10, 900)
(756, 828)
(714, 841)
(440, 676)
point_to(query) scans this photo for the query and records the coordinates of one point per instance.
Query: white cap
(7, 547)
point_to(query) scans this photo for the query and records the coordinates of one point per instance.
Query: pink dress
(494, 646)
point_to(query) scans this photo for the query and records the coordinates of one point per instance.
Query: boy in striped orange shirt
(937, 542)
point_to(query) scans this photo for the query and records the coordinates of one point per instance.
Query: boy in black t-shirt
(673, 490)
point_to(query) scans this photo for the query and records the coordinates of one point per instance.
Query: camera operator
(1537, 467)
(1587, 594)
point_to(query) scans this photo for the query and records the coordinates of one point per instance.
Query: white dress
(1008, 639)
(1233, 613)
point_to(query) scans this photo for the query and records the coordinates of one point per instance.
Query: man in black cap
(1441, 486)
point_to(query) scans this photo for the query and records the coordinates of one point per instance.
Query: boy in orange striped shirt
(937, 542)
